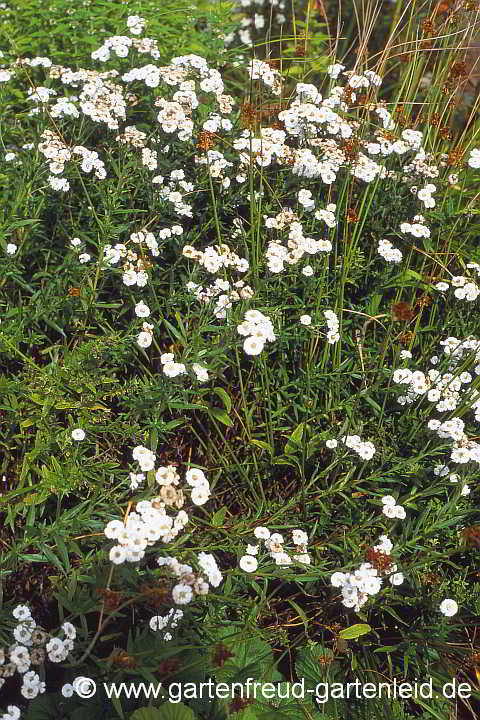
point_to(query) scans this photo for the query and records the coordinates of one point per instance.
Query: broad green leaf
(294, 442)
(354, 631)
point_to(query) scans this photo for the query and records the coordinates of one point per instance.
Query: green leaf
(224, 397)
(354, 631)
(262, 444)
(218, 518)
(313, 664)
(221, 416)
(294, 442)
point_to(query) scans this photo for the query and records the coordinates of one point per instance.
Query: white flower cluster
(327, 215)
(389, 252)
(274, 543)
(358, 586)
(305, 198)
(118, 44)
(257, 330)
(32, 647)
(170, 620)
(333, 325)
(366, 450)
(448, 391)
(58, 154)
(391, 509)
(170, 367)
(275, 17)
(135, 24)
(425, 195)
(145, 337)
(224, 293)
(171, 193)
(474, 158)
(215, 258)
(134, 266)
(215, 161)
(260, 70)
(443, 470)
(417, 228)
(132, 136)
(13, 712)
(150, 521)
(297, 244)
(191, 583)
(144, 527)
(465, 289)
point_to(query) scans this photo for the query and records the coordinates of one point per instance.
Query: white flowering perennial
(32, 647)
(260, 70)
(282, 553)
(366, 450)
(465, 289)
(215, 258)
(333, 325)
(151, 521)
(474, 158)
(297, 245)
(145, 337)
(448, 607)
(188, 582)
(418, 229)
(170, 621)
(388, 252)
(448, 391)
(224, 293)
(358, 586)
(257, 330)
(391, 509)
(252, 22)
(170, 367)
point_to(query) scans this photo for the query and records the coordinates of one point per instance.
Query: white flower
(142, 310)
(299, 537)
(78, 434)
(195, 477)
(182, 594)
(11, 248)
(67, 690)
(396, 579)
(262, 533)
(389, 511)
(117, 555)
(201, 372)
(144, 339)
(22, 612)
(389, 500)
(253, 345)
(200, 494)
(448, 607)
(305, 319)
(248, 563)
(69, 630)
(338, 579)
